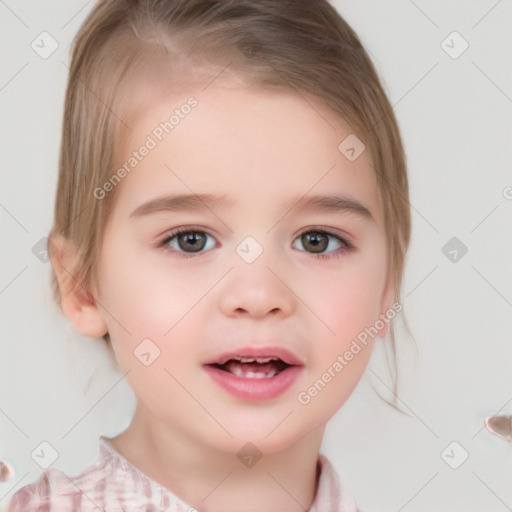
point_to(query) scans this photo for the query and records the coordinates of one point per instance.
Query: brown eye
(315, 242)
(191, 241)
(322, 244)
(188, 241)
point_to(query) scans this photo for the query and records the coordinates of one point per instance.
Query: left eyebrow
(201, 202)
(332, 203)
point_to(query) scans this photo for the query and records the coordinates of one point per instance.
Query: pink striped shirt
(113, 484)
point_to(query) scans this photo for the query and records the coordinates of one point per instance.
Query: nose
(256, 290)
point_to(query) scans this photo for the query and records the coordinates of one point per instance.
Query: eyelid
(184, 229)
(334, 232)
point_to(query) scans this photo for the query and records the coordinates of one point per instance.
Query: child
(256, 132)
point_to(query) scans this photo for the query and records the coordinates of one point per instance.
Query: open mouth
(253, 368)
(255, 373)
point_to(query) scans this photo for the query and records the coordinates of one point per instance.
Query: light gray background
(455, 117)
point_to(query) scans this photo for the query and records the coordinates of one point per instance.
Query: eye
(320, 243)
(187, 241)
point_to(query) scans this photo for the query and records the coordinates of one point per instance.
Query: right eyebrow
(182, 202)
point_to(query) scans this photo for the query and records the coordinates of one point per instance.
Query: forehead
(240, 139)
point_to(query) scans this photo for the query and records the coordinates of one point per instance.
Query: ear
(388, 298)
(77, 303)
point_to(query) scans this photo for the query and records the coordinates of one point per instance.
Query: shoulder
(54, 490)
(51, 491)
(111, 483)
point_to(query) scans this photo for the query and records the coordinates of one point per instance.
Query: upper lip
(259, 352)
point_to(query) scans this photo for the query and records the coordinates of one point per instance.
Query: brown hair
(302, 45)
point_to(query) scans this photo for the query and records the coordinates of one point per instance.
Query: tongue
(254, 370)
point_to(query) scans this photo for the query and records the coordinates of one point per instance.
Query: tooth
(240, 372)
(260, 360)
(265, 360)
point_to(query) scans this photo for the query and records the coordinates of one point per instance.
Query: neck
(212, 480)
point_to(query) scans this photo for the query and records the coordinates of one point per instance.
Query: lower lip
(254, 389)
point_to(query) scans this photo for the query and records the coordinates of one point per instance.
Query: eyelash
(347, 246)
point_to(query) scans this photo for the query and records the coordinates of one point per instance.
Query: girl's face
(263, 271)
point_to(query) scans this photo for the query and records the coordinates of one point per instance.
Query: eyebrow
(180, 203)
(332, 203)
(201, 202)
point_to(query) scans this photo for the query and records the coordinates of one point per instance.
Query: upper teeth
(255, 360)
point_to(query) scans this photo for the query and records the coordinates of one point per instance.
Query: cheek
(143, 293)
(152, 300)
(346, 301)
(347, 306)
